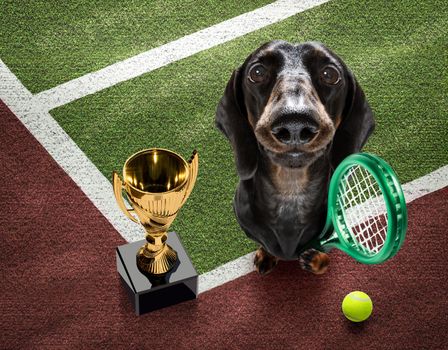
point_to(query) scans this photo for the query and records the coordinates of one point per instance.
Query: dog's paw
(264, 262)
(314, 261)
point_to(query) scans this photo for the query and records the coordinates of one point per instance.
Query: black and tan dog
(291, 114)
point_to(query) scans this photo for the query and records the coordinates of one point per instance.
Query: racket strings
(364, 209)
(373, 241)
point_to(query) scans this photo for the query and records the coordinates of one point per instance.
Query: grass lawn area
(48, 42)
(397, 50)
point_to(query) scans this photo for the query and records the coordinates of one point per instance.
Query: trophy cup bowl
(157, 182)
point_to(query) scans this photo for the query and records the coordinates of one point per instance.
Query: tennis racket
(367, 215)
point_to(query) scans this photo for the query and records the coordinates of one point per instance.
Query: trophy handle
(193, 163)
(118, 187)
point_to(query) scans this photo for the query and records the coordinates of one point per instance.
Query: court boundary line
(65, 152)
(173, 51)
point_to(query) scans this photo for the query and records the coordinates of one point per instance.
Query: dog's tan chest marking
(289, 181)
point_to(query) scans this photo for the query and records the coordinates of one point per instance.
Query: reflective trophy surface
(157, 182)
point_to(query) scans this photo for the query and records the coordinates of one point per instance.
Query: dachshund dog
(292, 113)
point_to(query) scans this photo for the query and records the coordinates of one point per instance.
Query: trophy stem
(156, 257)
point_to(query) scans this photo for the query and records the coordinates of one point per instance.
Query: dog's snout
(294, 133)
(295, 129)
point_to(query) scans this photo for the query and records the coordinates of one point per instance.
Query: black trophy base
(148, 293)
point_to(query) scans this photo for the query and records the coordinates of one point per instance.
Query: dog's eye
(257, 74)
(330, 75)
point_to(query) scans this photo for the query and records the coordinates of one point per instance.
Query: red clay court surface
(60, 289)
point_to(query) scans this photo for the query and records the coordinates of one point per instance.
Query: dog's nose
(295, 129)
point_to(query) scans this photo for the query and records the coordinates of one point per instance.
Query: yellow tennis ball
(357, 306)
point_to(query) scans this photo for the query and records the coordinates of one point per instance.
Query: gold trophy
(157, 183)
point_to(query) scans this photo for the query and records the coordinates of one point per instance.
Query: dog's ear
(231, 119)
(356, 125)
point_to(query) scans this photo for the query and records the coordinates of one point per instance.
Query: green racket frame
(335, 233)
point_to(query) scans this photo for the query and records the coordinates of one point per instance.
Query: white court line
(227, 272)
(65, 152)
(426, 184)
(173, 51)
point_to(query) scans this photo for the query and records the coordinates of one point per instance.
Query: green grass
(397, 50)
(48, 42)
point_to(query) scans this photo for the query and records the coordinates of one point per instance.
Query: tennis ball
(357, 306)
